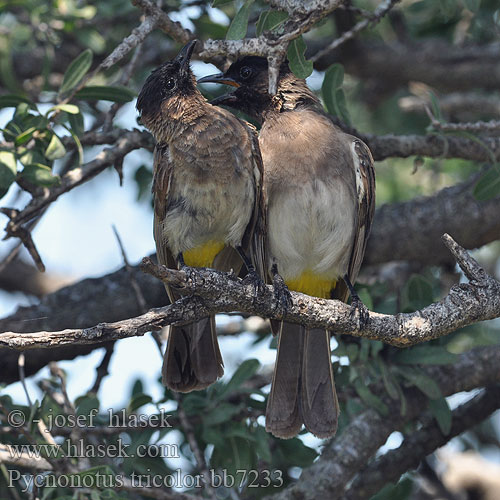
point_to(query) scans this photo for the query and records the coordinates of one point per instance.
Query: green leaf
(448, 8)
(436, 108)
(425, 355)
(72, 109)
(76, 71)
(221, 413)
(342, 112)
(244, 372)
(332, 93)
(139, 400)
(472, 5)
(488, 186)
(441, 412)
(328, 88)
(239, 25)
(105, 93)
(369, 398)
(262, 445)
(269, 20)
(41, 175)
(76, 123)
(216, 3)
(87, 403)
(25, 136)
(55, 149)
(12, 100)
(422, 381)
(143, 177)
(417, 293)
(8, 171)
(294, 449)
(296, 60)
(400, 491)
(389, 382)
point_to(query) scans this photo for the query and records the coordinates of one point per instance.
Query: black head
(250, 71)
(171, 79)
(247, 100)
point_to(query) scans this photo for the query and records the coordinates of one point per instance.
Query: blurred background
(422, 62)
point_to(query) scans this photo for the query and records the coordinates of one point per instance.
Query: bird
(208, 204)
(320, 192)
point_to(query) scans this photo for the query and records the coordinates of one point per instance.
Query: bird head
(166, 85)
(251, 78)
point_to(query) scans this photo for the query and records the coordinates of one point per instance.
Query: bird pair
(215, 184)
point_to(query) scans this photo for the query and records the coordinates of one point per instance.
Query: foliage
(47, 111)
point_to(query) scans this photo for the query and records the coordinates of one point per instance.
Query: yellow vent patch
(203, 256)
(312, 284)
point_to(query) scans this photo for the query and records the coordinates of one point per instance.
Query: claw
(281, 293)
(190, 273)
(364, 314)
(252, 278)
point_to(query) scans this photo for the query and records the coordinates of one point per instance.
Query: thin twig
(382, 9)
(193, 443)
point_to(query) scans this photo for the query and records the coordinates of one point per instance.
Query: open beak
(219, 78)
(224, 100)
(184, 56)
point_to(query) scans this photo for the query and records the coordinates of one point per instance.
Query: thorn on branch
(25, 236)
(468, 265)
(171, 277)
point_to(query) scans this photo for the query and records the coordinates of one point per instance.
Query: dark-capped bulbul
(320, 189)
(208, 203)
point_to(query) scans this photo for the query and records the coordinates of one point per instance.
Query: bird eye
(170, 84)
(245, 72)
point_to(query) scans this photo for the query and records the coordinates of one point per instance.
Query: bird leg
(357, 304)
(281, 292)
(252, 277)
(190, 273)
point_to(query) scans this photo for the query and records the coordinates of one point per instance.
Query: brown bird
(320, 188)
(208, 203)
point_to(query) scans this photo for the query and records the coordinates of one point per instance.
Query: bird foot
(364, 314)
(190, 273)
(252, 278)
(281, 294)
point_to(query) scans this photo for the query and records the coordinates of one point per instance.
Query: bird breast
(207, 207)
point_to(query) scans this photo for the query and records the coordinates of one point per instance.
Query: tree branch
(84, 304)
(437, 63)
(213, 292)
(412, 230)
(416, 446)
(382, 9)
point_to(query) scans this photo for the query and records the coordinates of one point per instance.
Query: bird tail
(192, 359)
(303, 390)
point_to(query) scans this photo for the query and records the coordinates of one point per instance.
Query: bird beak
(219, 78)
(184, 56)
(225, 100)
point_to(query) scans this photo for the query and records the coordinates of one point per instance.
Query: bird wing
(365, 187)
(255, 234)
(162, 172)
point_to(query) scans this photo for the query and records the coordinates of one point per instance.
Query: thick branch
(416, 446)
(84, 304)
(412, 230)
(433, 146)
(436, 63)
(216, 292)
